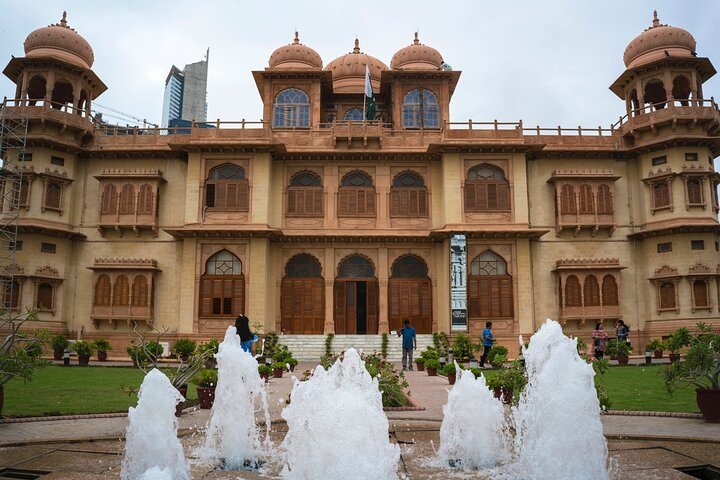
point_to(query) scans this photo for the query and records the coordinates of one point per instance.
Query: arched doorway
(302, 297)
(410, 294)
(356, 297)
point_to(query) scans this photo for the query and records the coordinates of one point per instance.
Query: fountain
(152, 448)
(337, 427)
(232, 436)
(558, 413)
(473, 433)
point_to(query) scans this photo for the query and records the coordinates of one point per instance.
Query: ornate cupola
(295, 56)
(348, 71)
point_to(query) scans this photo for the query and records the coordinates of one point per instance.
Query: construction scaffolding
(13, 133)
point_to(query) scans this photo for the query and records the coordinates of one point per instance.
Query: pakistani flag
(369, 97)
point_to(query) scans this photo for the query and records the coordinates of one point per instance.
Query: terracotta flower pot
(277, 372)
(83, 359)
(102, 356)
(622, 359)
(179, 407)
(58, 354)
(265, 376)
(451, 378)
(420, 366)
(432, 372)
(658, 353)
(674, 357)
(206, 396)
(708, 400)
(504, 394)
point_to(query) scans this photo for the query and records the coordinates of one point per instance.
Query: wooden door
(302, 306)
(410, 298)
(347, 305)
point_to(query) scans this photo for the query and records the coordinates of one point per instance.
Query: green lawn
(56, 390)
(641, 387)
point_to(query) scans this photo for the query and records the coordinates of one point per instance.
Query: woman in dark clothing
(247, 339)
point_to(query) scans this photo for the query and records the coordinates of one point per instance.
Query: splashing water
(151, 439)
(336, 426)
(157, 473)
(559, 412)
(473, 433)
(233, 437)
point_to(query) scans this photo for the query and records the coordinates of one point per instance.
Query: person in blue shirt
(409, 342)
(488, 340)
(247, 339)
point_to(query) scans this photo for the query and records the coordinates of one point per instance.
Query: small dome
(60, 41)
(348, 71)
(295, 55)
(657, 42)
(416, 57)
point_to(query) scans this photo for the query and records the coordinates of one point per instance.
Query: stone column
(383, 274)
(329, 274)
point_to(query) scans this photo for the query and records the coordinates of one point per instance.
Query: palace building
(316, 221)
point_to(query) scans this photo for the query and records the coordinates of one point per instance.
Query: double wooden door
(302, 305)
(356, 306)
(410, 298)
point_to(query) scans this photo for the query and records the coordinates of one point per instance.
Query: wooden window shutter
(372, 307)
(492, 196)
(292, 200)
(45, 296)
(109, 200)
(206, 294)
(127, 200)
(426, 300)
(423, 202)
(286, 298)
(121, 291)
(567, 200)
(591, 291)
(318, 201)
(700, 293)
(470, 196)
(394, 298)
(243, 196)
(309, 201)
(145, 200)
(220, 195)
(340, 292)
(586, 200)
(482, 197)
(661, 193)
(140, 291)
(503, 195)
(238, 295)
(604, 199)
(694, 191)
(484, 303)
(609, 291)
(667, 295)
(231, 195)
(24, 191)
(102, 291)
(506, 296)
(572, 292)
(53, 194)
(473, 300)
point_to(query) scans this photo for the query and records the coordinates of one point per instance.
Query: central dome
(657, 42)
(296, 56)
(348, 71)
(416, 57)
(61, 42)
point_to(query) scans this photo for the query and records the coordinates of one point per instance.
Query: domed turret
(416, 57)
(295, 56)
(348, 71)
(61, 42)
(657, 42)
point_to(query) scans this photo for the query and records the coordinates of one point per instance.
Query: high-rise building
(186, 93)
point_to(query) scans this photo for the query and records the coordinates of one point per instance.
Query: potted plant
(450, 372)
(135, 354)
(183, 348)
(432, 366)
(264, 371)
(581, 346)
(622, 352)
(292, 361)
(508, 381)
(700, 369)
(678, 339)
(209, 350)
(656, 346)
(497, 356)
(59, 344)
(206, 381)
(102, 346)
(84, 349)
(277, 369)
(463, 347)
(420, 362)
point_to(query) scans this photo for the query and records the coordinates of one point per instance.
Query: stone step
(312, 347)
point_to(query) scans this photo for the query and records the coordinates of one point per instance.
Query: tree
(20, 352)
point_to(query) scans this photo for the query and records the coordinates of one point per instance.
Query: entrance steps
(312, 347)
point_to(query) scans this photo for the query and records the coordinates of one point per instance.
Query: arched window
(609, 291)
(109, 200)
(291, 109)
(354, 114)
(700, 293)
(604, 200)
(222, 286)
(667, 295)
(302, 296)
(62, 94)
(145, 200)
(661, 194)
(226, 188)
(568, 205)
(45, 296)
(490, 288)
(305, 195)
(573, 297)
(102, 291)
(121, 291)
(486, 188)
(127, 200)
(356, 195)
(140, 291)
(303, 266)
(681, 89)
(356, 266)
(408, 196)
(591, 292)
(409, 266)
(655, 94)
(587, 200)
(37, 88)
(420, 109)
(694, 191)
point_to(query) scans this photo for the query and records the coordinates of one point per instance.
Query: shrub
(449, 369)
(211, 347)
(384, 345)
(656, 344)
(83, 348)
(476, 371)
(264, 370)
(390, 382)
(59, 343)
(206, 378)
(420, 360)
(154, 349)
(497, 356)
(328, 344)
(281, 354)
(678, 339)
(430, 353)
(432, 363)
(102, 345)
(292, 361)
(271, 341)
(463, 347)
(184, 347)
(280, 365)
(701, 367)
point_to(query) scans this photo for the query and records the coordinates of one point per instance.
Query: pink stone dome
(416, 56)
(348, 71)
(295, 56)
(60, 41)
(657, 42)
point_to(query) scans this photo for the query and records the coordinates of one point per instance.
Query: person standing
(622, 331)
(247, 339)
(488, 341)
(409, 343)
(600, 340)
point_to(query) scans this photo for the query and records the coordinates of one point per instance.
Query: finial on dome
(656, 21)
(417, 40)
(63, 22)
(357, 46)
(297, 38)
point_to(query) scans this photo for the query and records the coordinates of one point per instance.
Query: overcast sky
(545, 62)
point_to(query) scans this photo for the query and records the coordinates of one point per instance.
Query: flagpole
(364, 99)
